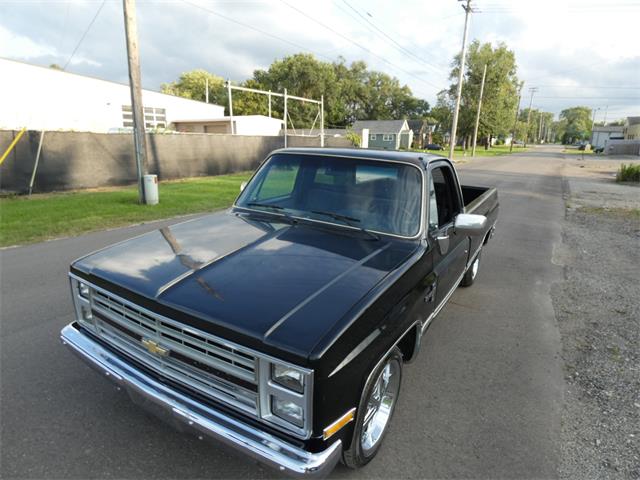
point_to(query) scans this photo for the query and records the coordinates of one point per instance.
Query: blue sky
(576, 53)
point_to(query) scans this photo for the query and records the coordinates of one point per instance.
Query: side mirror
(468, 224)
(242, 185)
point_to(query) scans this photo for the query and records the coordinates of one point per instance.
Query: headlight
(288, 411)
(288, 377)
(83, 290)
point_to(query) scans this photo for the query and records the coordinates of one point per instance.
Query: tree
(578, 124)
(500, 96)
(55, 66)
(193, 85)
(351, 92)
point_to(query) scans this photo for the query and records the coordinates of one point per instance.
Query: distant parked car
(434, 146)
(584, 146)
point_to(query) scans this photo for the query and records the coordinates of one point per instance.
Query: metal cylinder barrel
(151, 189)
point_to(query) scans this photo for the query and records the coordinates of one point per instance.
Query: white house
(602, 134)
(42, 98)
(242, 125)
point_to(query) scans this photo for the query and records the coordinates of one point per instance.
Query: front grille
(189, 356)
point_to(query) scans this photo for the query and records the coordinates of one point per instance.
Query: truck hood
(284, 286)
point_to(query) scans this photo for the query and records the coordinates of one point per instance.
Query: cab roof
(419, 159)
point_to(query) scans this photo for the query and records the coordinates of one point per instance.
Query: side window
(372, 136)
(446, 195)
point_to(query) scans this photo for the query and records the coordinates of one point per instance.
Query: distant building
(42, 98)
(386, 134)
(631, 130)
(601, 135)
(421, 132)
(243, 125)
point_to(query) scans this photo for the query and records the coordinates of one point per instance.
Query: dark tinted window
(382, 196)
(445, 196)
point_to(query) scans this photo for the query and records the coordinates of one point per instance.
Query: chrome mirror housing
(469, 224)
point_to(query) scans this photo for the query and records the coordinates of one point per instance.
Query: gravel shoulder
(598, 314)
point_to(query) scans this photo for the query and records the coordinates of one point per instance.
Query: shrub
(628, 173)
(354, 138)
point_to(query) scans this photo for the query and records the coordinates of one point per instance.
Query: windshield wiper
(279, 208)
(348, 220)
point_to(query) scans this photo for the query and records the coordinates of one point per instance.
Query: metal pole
(606, 109)
(456, 111)
(515, 122)
(230, 106)
(35, 165)
(269, 103)
(322, 120)
(475, 131)
(540, 128)
(206, 90)
(285, 118)
(526, 137)
(139, 138)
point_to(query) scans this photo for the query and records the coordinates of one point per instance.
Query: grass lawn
(575, 151)
(494, 151)
(41, 217)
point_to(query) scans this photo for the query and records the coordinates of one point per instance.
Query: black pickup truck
(281, 326)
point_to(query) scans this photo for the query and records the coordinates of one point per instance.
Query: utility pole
(526, 137)
(454, 127)
(475, 131)
(139, 138)
(515, 121)
(540, 128)
(206, 90)
(604, 122)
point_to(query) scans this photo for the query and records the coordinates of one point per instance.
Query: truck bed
(479, 200)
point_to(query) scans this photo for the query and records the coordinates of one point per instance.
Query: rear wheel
(472, 272)
(377, 404)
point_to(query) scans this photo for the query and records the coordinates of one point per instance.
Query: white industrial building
(42, 98)
(601, 135)
(242, 125)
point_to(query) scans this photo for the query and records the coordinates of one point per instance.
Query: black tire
(472, 272)
(362, 451)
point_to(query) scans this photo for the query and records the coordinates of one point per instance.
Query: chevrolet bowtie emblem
(154, 348)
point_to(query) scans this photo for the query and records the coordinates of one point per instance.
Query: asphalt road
(483, 400)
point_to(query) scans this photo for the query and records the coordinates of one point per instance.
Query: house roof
(381, 126)
(416, 125)
(633, 120)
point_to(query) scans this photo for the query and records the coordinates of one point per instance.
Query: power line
(84, 35)
(335, 32)
(399, 46)
(255, 29)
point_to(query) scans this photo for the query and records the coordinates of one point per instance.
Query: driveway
(483, 399)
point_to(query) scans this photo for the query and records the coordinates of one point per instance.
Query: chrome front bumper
(194, 417)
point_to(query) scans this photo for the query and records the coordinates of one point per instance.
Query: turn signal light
(338, 424)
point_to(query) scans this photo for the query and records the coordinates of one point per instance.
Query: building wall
(632, 132)
(376, 140)
(73, 160)
(43, 98)
(623, 147)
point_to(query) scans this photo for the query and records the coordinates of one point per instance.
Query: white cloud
(556, 41)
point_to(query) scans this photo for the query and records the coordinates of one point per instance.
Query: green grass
(41, 217)
(628, 173)
(575, 151)
(494, 151)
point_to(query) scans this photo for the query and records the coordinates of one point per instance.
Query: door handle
(431, 293)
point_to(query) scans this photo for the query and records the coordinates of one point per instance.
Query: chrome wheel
(379, 406)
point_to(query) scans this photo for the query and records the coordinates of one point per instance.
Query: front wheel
(471, 273)
(376, 408)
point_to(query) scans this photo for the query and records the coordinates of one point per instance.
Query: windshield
(383, 197)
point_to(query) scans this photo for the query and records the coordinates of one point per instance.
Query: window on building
(153, 117)
(372, 136)
(387, 137)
